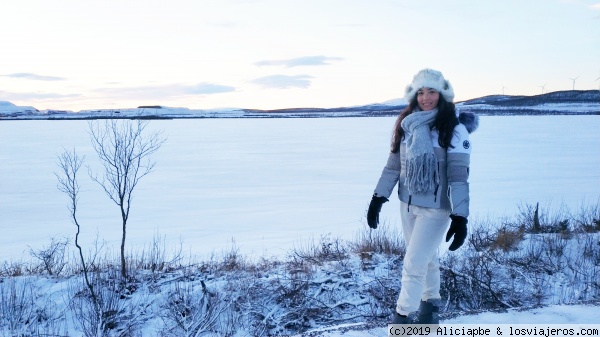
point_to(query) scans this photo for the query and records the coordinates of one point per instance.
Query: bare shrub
(157, 257)
(591, 248)
(232, 259)
(545, 219)
(191, 309)
(52, 258)
(543, 254)
(473, 281)
(326, 249)
(555, 247)
(383, 240)
(530, 257)
(17, 307)
(88, 311)
(110, 312)
(482, 236)
(587, 220)
(285, 304)
(383, 288)
(13, 268)
(529, 270)
(25, 311)
(582, 285)
(265, 265)
(477, 277)
(584, 266)
(508, 239)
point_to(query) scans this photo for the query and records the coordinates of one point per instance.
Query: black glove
(374, 209)
(458, 229)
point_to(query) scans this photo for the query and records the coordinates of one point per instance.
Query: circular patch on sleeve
(466, 144)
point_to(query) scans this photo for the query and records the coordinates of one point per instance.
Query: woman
(429, 161)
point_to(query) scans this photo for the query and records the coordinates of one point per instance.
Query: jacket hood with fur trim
(469, 120)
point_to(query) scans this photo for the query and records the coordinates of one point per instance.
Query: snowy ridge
(557, 103)
(572, 102)
(8, 108)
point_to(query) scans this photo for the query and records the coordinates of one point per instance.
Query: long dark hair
(444, 122)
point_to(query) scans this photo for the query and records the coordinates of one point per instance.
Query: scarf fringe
(422, 175)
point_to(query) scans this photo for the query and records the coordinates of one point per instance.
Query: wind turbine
(573, 79)
(503, 87)
(598, 79)
(543, 87)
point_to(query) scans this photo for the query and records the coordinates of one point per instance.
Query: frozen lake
(271, 184)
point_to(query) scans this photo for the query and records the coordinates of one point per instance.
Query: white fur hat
(429, 78)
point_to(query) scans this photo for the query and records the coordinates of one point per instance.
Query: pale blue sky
(266, 54)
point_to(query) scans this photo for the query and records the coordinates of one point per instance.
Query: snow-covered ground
(570, 108)
(555, 316)
(271, 184)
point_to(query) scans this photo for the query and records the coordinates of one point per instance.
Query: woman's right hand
(374, 209)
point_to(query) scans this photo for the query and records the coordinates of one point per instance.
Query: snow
(539, 317)
(396, 101)
(7, 108)
(554, 314)
(584, 107)
(269, 185)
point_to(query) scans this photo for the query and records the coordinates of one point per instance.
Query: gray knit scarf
(421, 162)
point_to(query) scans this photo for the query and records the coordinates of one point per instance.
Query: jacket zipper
(438, 185)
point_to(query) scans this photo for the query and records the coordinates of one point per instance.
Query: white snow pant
(423, 229)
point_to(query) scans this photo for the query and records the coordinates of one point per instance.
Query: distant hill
(569, 96)
(362, 110)
(571, 102)
(557, 102)
(8, 108)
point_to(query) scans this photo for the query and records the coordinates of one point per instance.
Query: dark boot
(428, 312)
(399, 319)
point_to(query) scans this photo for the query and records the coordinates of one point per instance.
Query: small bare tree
(123, 148)
(70, 163)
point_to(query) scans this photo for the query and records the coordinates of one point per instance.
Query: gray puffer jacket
(452, 193)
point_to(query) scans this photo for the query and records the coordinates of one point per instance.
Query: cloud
(318, 60)
(28, 96)
(595, 6)
(207, 89)
(165, 91)
(353, 25)
(283, 81)
(35, 77)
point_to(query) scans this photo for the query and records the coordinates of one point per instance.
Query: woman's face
(427, 98)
